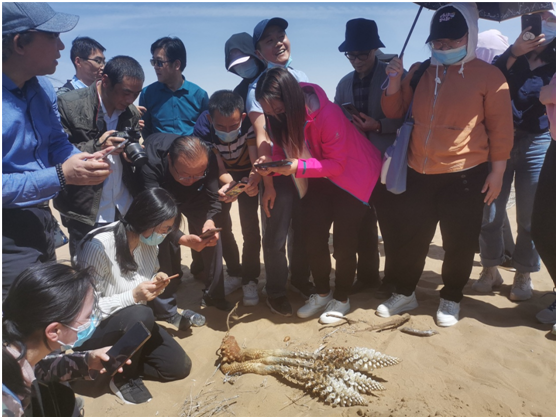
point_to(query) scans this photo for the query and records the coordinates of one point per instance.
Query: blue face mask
(154, 240)
(549, 31)
(247, 70)
(273, 65)
(84, 332)
(450, 56)
(227, 137)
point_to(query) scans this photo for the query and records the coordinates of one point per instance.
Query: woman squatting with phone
(126, 272)
(334, 168)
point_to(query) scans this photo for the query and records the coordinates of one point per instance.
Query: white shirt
(115, 194)
(114, 289)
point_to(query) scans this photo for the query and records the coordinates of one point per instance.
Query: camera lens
(136, 154)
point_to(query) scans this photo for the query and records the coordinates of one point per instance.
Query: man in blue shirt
(37, 159)
(173, 103)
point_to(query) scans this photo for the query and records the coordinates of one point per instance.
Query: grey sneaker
(131, 391)
(232, 283)
(448, 313)
(548, 315)
(314, 305)
(489, 278)
(250, 294)
(522, 289)
(396, 304)
(337, 308)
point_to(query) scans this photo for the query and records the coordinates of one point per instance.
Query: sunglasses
(158, 63)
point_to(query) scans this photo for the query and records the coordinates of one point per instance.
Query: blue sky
(315, 30)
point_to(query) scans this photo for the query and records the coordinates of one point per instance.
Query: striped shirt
(114, 289)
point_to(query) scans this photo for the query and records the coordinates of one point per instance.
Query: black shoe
(361, 286)
(180, 322)
(507, 264)
(385, 291)
(305, 290)
(130, 391)
(219, 303)
(280, 305)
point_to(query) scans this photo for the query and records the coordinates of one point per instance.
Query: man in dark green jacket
(90, 116)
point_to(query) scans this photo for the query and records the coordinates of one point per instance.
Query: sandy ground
(497, 361)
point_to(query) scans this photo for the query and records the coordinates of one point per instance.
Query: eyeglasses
(361, 56)
(450, 45)
(158, 63)
(95, 319)
(97, 60)
(188, 178)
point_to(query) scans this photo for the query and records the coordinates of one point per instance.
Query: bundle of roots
(338, 376)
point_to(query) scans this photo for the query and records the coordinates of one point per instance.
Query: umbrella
(490, 11)
(499, 11)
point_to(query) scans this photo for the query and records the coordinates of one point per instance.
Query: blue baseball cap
(20, 17)
(262, 26)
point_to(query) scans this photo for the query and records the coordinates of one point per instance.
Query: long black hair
(40, 295)
(286, 130)
(149, 209)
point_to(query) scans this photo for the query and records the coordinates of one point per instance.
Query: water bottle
(196, 319)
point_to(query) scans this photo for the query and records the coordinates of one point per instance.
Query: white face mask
(247, 70)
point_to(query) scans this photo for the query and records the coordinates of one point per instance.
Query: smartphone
(208, 233)
(236, 189)
(534, 21)
(277, 163)
(114, 150)
(349, 107)
(126, 347)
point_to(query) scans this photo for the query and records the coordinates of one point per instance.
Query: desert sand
(497, 361)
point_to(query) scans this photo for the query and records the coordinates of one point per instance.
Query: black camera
(134, 150)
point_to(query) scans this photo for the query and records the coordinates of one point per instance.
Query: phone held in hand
(236, 189)
(113, 151)
(208, 233)
(277, 163)
(349, 107)
(126, 347)
(535, 22)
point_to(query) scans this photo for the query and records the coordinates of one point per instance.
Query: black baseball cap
(448, 22)
(262, 26)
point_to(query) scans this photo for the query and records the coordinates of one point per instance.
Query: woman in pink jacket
(335, 169)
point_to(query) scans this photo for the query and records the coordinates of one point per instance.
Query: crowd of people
(123, 176)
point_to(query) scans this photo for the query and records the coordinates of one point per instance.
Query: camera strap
(100, 122)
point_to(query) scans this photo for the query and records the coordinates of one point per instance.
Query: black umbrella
(499, 11)
(490, 11)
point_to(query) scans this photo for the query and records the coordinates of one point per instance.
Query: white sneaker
(548, 315)
(396, 304)
(250, 292)
(232, 283)
(448, 313)
(489, 278)
(522, 289)
(334, 307)
(314, 305)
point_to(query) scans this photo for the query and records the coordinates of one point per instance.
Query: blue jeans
(526, 160)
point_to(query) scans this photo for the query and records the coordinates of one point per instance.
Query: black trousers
(27, 239)
(543, 223)
(368, 264)
(249, 223)
(324, 204)
(161, 358)
(165, 306)
(456, 202)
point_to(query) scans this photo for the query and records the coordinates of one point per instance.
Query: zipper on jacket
(432, 119)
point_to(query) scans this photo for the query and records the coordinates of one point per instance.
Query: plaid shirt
(361, 89)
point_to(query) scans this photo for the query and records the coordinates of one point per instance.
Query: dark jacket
(155, 173)
(68, 87)
(79, 111)
(529, 114)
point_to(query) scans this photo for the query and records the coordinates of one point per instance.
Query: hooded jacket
(243, 42)
(462, 112)
(340, 152)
